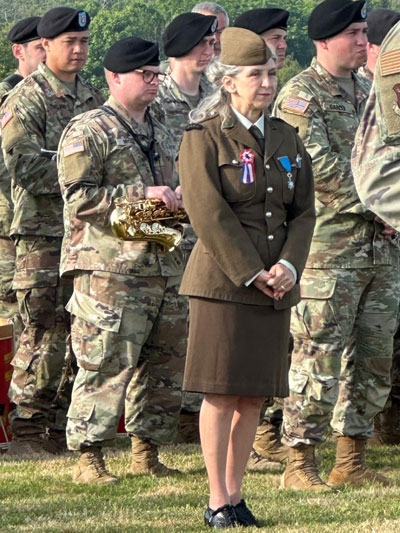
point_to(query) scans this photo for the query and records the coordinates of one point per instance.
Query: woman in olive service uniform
(249, 196)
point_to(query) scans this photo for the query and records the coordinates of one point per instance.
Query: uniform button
(267, 167)
(270, 190)
(268, 214)
(270, 237)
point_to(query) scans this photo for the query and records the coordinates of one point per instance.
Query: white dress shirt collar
(247, 123)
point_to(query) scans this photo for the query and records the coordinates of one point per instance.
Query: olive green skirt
(237, 349)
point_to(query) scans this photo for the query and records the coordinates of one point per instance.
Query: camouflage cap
(243, 47)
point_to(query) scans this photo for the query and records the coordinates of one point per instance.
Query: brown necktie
(258, 136)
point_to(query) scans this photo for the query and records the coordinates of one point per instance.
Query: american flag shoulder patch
(299, 105)
(6, 118)
(73, 148)
(390, 62)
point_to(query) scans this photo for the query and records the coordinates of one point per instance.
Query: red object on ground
(6, 354)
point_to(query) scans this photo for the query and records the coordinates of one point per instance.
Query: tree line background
(116, 19)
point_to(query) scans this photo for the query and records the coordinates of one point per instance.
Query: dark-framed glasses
(149, 75)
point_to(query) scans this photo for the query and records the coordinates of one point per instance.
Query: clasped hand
(275, 282)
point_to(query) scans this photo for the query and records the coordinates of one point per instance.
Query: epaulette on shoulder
(194, 126)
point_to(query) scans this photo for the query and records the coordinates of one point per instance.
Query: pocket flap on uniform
(32, 278)
(317, 288)
(297, 380)
(23, 359)
(81, 410)
(97, 313)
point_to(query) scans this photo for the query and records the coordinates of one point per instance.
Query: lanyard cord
(148, 152)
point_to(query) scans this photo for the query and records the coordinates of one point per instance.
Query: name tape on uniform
(298, 105)
(390, 62)
(73, 148)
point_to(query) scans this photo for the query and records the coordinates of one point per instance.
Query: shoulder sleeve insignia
(194, 126)
(390, 62)
(73, 148)
(296, 105)
(6, 118)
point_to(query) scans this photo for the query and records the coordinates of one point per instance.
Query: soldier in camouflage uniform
(189, 39)
(343, 328)
(387, 423)
(380, 22)
(126, 311)
(34, 116)
(28, 50)
(376, 169)
(212, 8)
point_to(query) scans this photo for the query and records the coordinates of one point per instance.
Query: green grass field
(39, 496)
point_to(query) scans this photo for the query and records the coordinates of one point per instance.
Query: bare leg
(243, 430)
(216, 416)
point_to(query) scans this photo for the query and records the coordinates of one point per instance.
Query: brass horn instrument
(147, 220)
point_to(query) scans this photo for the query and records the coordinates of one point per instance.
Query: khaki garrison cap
(243, 48)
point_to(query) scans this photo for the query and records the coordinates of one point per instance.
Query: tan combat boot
(301, 472)
(268, 443)
(188, 428)
(91, 468)
(29, 447)
(145, 459)
(268, 452)
(350, 467)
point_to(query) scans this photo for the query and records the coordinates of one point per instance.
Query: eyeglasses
(149, 75)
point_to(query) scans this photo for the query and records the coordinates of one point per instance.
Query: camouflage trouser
(343, 343)
(40, 359)
(122, 323)
(387, 423)
(8, 296)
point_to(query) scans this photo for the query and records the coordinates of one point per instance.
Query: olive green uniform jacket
(244, 227)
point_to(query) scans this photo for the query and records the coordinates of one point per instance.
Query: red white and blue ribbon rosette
(249, 173)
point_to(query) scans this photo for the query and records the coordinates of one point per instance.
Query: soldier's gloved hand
(164, 193)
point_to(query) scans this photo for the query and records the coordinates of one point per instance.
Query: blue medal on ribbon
(287, 166)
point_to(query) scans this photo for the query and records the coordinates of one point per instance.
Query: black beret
(62, 20)
(131, 53)
(262, 19)
(380, 21)
(24, 31)
(186, 31)
(333, 16)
